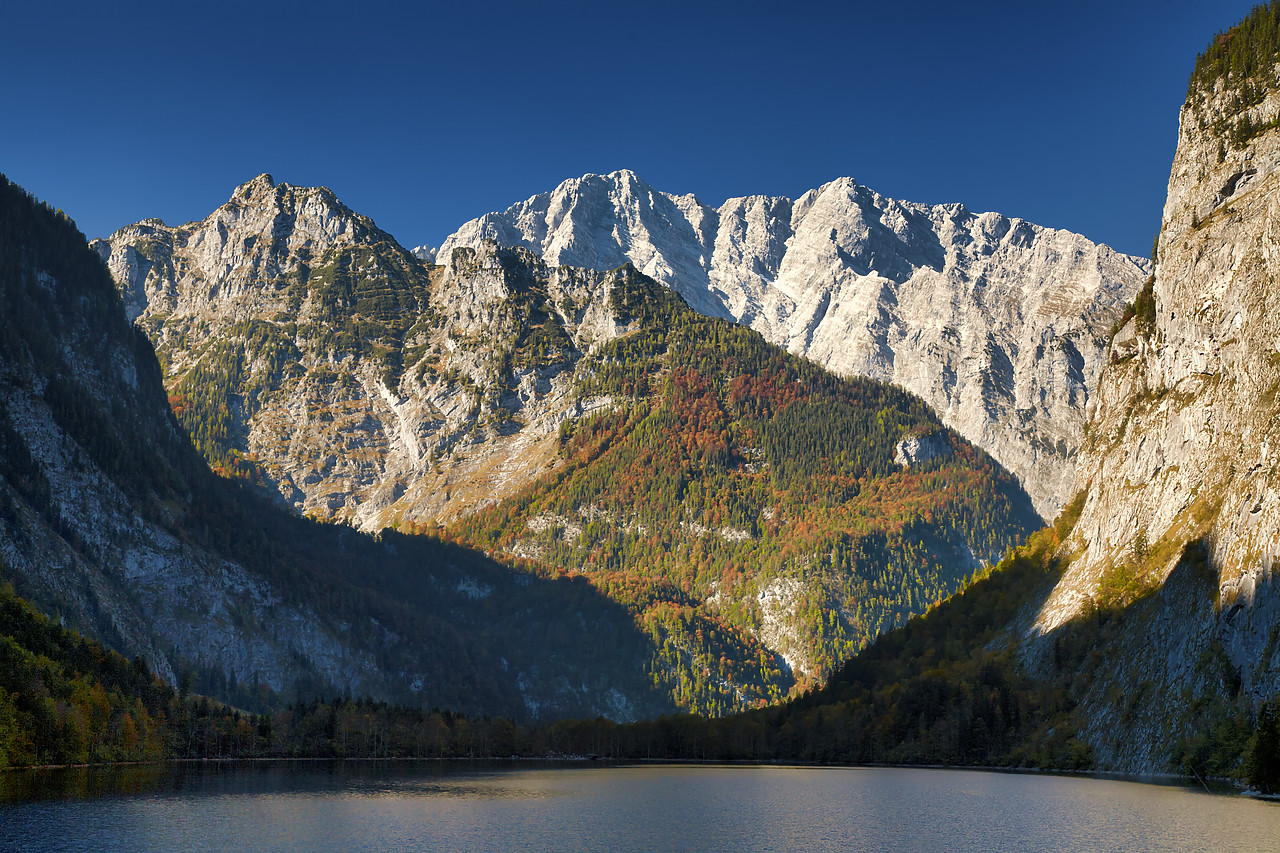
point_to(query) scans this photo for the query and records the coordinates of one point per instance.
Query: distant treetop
(1247, 50)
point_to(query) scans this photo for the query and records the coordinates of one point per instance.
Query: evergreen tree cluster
(68, 700)
(1244, 59)
(1246, 52)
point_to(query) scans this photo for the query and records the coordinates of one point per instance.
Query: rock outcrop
(918, 449)
(997, 323)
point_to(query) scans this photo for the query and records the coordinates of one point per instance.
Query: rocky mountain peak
(998, 323)
(314, 355)
(313, 205)
(260, 186)
(264, 232)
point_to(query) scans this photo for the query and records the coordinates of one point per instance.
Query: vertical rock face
(1180, 469)
(1184, 438)
(997, 323)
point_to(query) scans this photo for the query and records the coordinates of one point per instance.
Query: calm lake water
(433, 807)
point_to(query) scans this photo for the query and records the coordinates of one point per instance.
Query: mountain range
(633, 501)
(996, 323)
(309, 354)
(112, 522)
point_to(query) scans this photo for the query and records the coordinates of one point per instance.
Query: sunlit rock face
(1184, 438)
(918, 449)
(997, 323)
(361, 382)
(1179, 472)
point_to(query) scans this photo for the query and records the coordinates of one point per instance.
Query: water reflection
(312, 806)
(250, 778)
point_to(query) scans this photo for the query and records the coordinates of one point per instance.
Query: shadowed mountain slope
(110, 519)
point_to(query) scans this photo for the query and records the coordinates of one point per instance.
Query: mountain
(307, 351)
(1141, 633)
(703, 480)
(998, 324)
(110, 520)
(759, 518)
(1179, 470)
(762, 518)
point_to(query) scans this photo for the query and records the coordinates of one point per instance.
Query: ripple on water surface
(321, 807)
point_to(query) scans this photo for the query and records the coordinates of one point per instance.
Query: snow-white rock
(918, 449)
(997, 323)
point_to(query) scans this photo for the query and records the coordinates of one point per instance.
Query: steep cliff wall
(1180, 522)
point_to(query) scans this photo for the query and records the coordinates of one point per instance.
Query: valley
(744, 506)
(833, 479)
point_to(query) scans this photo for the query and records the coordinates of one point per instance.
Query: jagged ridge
(997, 323)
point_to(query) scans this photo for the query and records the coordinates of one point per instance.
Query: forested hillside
(746, 505)
(65, 699)
(68, 700)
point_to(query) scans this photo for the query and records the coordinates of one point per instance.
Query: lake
(347, 807)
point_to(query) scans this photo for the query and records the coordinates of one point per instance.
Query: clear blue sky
(423, 116)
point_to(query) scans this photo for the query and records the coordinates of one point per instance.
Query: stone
(918, 449)
(1178, 476)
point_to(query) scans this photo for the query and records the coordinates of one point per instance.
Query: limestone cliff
(997, 323)
(1180, 520)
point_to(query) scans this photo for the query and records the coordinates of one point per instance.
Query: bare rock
(918, 449)
(1179, 476)
(999, 324)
